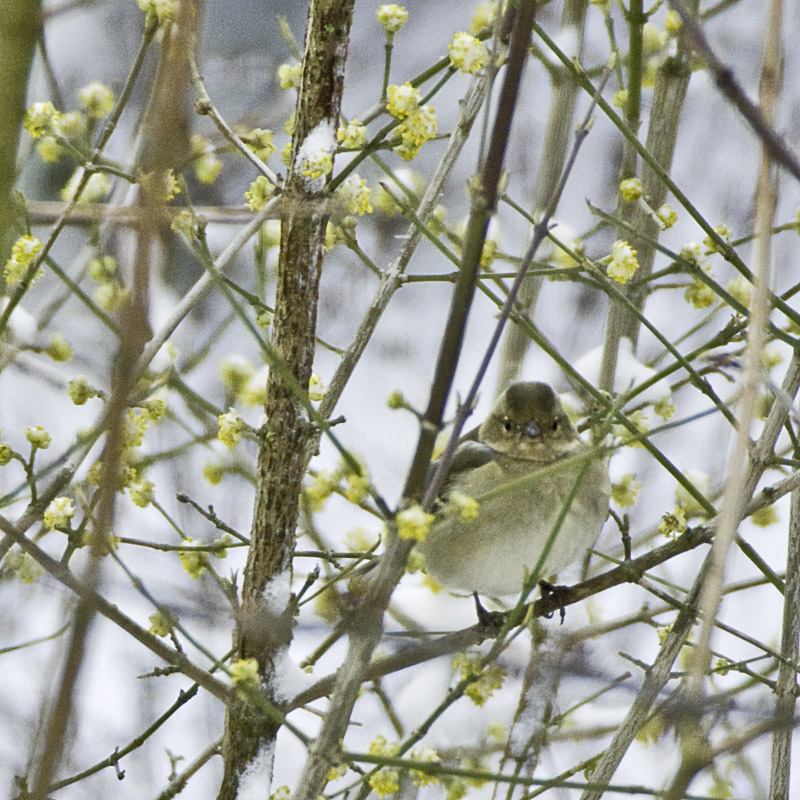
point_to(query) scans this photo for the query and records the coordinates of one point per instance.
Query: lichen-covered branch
(264, 626)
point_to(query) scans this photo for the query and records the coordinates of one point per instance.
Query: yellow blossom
(96, 99)
(631, 189)
(37, 436)
(357, 488)
(259, 193)
(624, 492)
(353, 136)
(396, 400)
(259, 140)
(402, 100)
(23, 566)
(49, 149)
(355, 195)
(485, 680)
(141, 493)
(195, 562)
(771, 356)
(653, 39)
(59, 513)
(205, 163)
(337, 772)
(672, 22)
(72, 124)
(425, 755)
(380, 747)
(230, 428)
(321, 489)
(235, 371)
(664, 407)
(42, 119)
(465, 507)
(673, 522)
(110, 296)
(620, 99)
(244, 673)
(623, 262)
(699, 294)
(316, 389)
(385, 781)
(317, 164)
(161, 623)
(419, 126)
(483, 16)
(23, 254)
(414, 523)
(667, 216)
(289, 75)
(213, 472)
(467, 53)
(739, 289)
(765, 516)
(392, 17)
(59, 348)
(724, 233)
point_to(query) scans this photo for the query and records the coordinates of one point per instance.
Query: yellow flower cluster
(259, 140)
(259, 193)
(355, 195)
(485, 679)
(317, 164)
(463, 506)
(402, 100)
(467, 54)
(353, 135)
(624, 492)
(414, 523)
(418, 127)
(23, 254)
(42, 119)
(205, 163)
(392, 17)
(96, 99)
(59, 513)
(230, 428)
(623, 264)
(289, 75)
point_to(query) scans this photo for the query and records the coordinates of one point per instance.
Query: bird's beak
(532, 430)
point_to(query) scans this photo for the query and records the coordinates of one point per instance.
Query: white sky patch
(21, 323)
(567, 41)
(256, 778)
(288, 680)
(630, 373)
(321, 140)
(276, 593)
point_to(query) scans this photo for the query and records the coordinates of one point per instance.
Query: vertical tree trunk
(264, 628)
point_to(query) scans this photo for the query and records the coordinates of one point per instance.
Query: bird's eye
(507, 425)
(555, 425)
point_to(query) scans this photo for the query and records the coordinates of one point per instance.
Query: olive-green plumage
(522, 465)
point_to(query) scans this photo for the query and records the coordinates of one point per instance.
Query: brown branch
(728, 84)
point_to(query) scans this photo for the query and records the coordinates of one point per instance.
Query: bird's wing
(468, 455)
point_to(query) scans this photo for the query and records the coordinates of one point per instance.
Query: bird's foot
(487, 619)
(556, 594)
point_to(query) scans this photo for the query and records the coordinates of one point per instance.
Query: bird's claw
(556, 594)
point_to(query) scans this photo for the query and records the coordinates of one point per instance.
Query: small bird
(521, 465)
